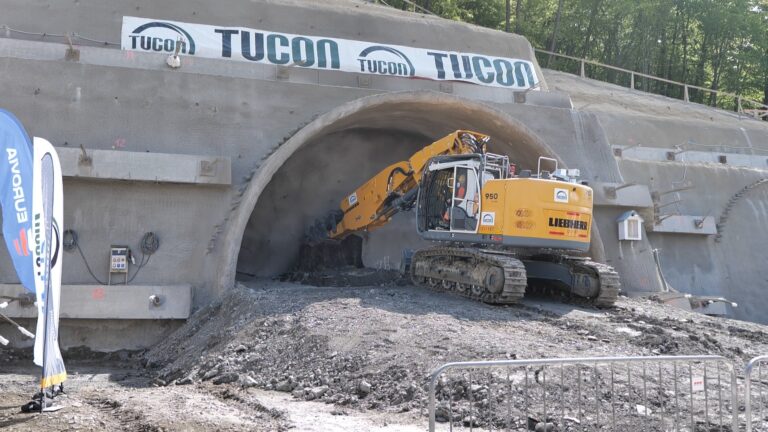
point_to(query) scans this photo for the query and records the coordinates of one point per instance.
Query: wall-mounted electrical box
(119, 257)
(630, 226)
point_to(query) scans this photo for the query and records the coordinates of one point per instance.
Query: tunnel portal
(345, 152)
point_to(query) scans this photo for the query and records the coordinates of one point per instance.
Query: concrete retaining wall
(698, 264)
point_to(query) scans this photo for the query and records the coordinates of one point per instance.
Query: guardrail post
(748, 389)
(748, 395)
(432, 385)
(583, 75)
(735, 400)
(685, 93)
(632, 80)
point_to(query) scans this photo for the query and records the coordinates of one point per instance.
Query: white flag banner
(47, 220)
(284, 49)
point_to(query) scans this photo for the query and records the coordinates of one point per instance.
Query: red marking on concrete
(98, 294)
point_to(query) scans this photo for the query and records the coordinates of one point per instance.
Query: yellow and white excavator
(499, 232)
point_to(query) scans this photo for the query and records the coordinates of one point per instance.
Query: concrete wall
(698, 264)
(112, 335)
(298, 139)
(345, 19)
(647, 127)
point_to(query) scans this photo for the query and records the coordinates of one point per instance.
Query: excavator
(497, 232)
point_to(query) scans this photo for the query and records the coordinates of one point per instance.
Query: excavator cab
(449, 200)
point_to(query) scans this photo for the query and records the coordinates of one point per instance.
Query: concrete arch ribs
(430, 114)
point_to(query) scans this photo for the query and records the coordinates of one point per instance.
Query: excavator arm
(395, 188)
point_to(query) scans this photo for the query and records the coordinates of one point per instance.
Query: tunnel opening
(345, 151)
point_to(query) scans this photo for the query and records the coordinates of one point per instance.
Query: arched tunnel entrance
(337, 152)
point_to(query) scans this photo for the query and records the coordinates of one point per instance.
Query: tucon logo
(384, 60)
(160, 44)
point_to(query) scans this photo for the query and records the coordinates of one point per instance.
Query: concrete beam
(713, 157)
(622, 195)
(682, 224)
(151, 167)
(109, 302)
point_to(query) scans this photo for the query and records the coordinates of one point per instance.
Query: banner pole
(45, 335)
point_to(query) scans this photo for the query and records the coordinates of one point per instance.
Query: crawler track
(500, 277)
(472, 273)
(609, 281)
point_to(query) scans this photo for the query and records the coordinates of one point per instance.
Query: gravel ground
(263, 357)
(372, 348)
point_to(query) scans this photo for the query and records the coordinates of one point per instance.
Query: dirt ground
(282, 356)
(121, 397)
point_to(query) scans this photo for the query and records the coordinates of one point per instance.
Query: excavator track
(589, 283)
(610, 286)
(479, 275)
(498, 277)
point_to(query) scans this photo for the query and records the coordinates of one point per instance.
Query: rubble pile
(283, 354)
(374, 347)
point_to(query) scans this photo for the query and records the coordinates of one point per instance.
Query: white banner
(258, 46)
(47, 220)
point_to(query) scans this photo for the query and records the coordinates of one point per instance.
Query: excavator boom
(395, 187)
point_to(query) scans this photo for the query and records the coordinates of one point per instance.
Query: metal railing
(758, 110)
(761, 424)
(661, 393)
(6, 31)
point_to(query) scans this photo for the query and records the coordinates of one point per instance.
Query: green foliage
(716, 44)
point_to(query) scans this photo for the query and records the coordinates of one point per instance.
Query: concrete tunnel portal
(331, 156)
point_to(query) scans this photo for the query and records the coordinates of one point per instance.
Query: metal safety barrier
(756, 364)
(758, 111)
(660, 393)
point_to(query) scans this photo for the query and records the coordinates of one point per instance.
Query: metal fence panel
(754, 394)
(661, 393)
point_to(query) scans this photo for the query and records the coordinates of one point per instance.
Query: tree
(506, 20)
(553, 43)
(719, 44)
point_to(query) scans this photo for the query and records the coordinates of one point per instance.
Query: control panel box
(119, 257)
